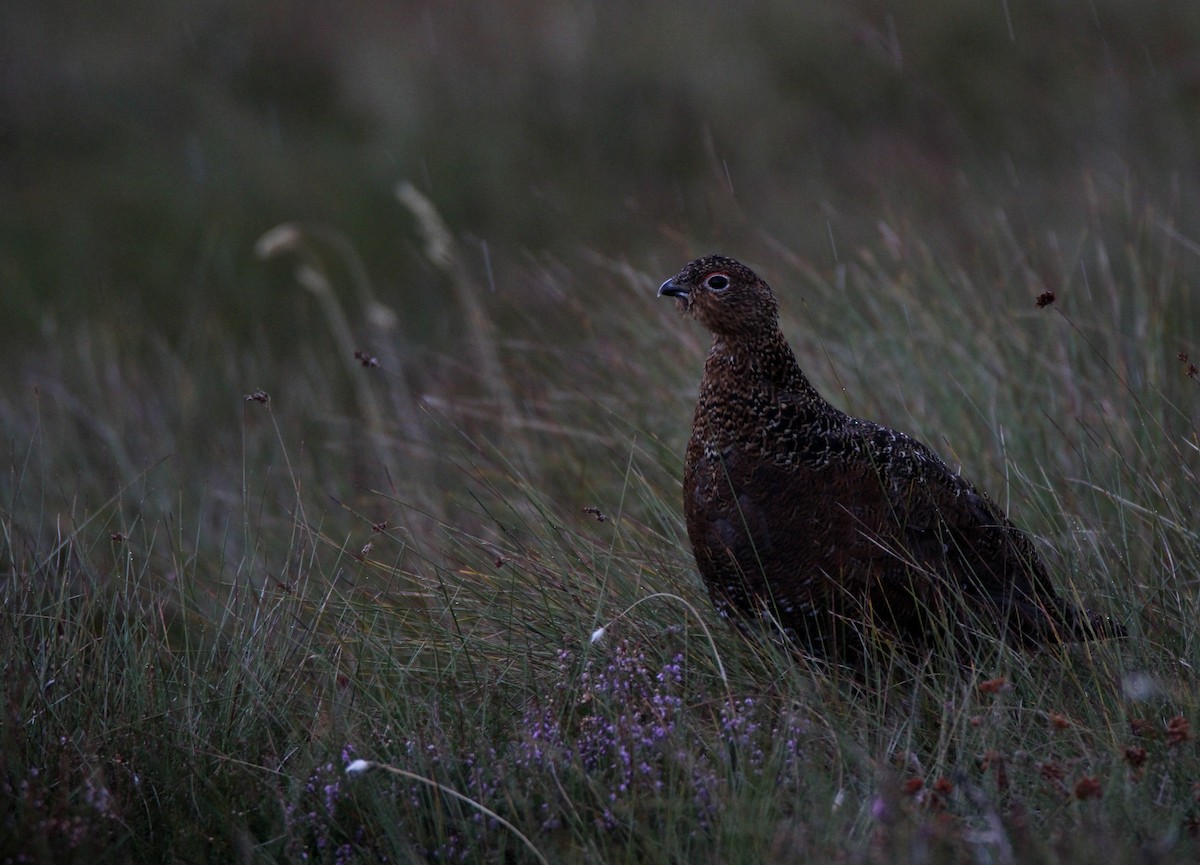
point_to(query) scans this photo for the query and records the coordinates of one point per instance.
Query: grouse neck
(752, 362)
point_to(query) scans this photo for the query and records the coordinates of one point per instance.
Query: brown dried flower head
(1088, 787)
(995, 686)
(1053, 772)
(1135, 756)
(1178, 730)
(1189, 368)
(1141, 727)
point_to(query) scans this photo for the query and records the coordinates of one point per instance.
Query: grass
(399, 483)
(481, 586)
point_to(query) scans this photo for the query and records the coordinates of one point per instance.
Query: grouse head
(725, 296)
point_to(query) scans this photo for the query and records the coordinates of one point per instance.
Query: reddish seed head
(1135, 756)
(1178, 730)
(994, 686)
(1045, 299)
(989, 758)
(1052, 771)
(1189, 368)
(913, 786)
(1088, 787)
(1059, 722)
(1141, 727)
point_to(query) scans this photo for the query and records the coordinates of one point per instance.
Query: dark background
(145, 147)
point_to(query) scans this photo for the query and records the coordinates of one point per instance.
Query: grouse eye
(717, 281)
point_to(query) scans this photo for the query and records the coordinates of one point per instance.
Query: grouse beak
(670, 289)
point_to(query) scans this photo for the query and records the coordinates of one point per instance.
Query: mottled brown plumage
(837, 527)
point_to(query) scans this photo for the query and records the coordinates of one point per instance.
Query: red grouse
(839, 529)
